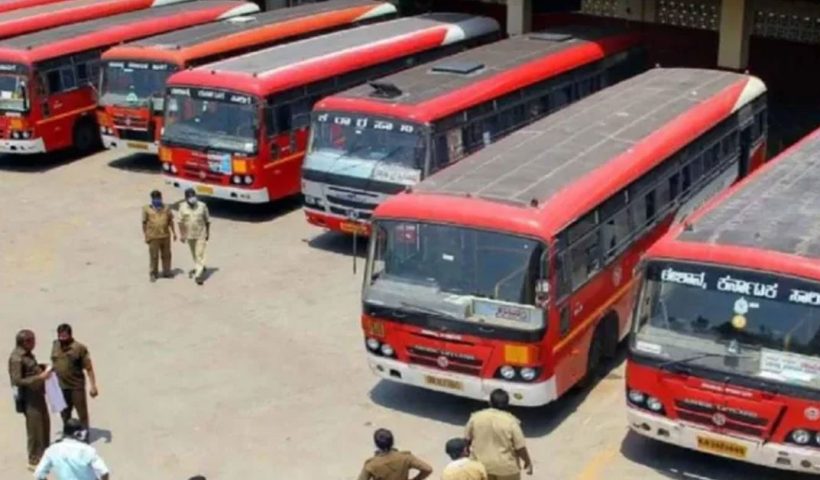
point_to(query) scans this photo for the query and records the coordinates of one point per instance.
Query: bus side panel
(283, 175)
(64, 109)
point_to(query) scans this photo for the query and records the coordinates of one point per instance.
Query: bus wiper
(685, 361)
(430, 311)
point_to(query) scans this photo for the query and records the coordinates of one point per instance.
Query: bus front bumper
(521, 394)
(112, 142)
(34, 145)
(244, 195)
(775, 455)
(336, 223)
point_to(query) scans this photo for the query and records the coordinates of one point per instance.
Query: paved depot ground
(260, 373)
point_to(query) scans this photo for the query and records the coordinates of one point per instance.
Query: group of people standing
(71, 365)
(493, 448)
(159, 231)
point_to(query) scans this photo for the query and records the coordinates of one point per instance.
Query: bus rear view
(725, 352)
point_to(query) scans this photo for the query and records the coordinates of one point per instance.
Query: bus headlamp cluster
(242, 179)
(804, 438)
(642, 400)
(517, 374)
(107, 130)
(169, 167)
(316, 201)
(21, 135)
(380, 348)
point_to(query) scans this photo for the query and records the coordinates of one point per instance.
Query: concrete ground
(261, 372)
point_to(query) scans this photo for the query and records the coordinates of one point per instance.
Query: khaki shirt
(192, 220)
(495, 437)
(393, 465)
(69, 363)
(464, 469)
(23, 371)
(157, 222)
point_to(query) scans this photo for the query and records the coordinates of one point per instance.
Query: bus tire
(86, 136)
(595, 356)
(611, 325)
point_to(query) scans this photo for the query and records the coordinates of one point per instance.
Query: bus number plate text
(722, 447)
(443, 382)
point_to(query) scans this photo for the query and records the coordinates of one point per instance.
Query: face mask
(156, 203)
(192, 201)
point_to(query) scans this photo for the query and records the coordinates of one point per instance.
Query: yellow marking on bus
(592, 470)
(594, 316)
(283, 160)
(66, 114)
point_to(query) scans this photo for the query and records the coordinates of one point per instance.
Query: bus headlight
(248, 179)
(174, 168)
(373, 344)
(387, 350)
(507, 372)
(15, 135)
(528, 374)
(166, 166)
(636, 397)
(654, 404)
(801, 437)
(25, 134)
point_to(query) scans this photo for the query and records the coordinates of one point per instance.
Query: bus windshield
(134, 84)
(211, 120)
(366, 146)
(455, 261)
(13, 93)
(734, 321)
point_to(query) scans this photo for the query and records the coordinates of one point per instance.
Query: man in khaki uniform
(390, 464)
(28, 377)
(462, 467)
(71, 362)
(195, 229)
(496, 439)
(158, 228)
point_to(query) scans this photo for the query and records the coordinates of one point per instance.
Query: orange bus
(40, 15)
(134, 74)
(48, 78)
(513, 268)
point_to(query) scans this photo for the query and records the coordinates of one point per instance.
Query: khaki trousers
(38, 427)
(160, 247)
(75, 399)
(197, 246)
(516, 476)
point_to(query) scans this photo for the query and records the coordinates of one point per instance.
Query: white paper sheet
(54, 395)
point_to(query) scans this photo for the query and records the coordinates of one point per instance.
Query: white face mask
(192, 201)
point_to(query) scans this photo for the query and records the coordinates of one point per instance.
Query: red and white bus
(376, 140)
(48, 78)
(134, 74)
(42, 15)
(238, 129)
(10, 5)
(725, 353)
(513, 268)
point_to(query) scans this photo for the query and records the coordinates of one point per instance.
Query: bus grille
(344, 213)
(137, 135)
(456, 362)
(735, 421)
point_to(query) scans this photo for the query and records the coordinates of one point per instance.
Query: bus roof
(452, 84)
(10, 5)
(42, 16)
(103, 32)
(551, 172)
(182, 46)
(769, 221)
(294, 64)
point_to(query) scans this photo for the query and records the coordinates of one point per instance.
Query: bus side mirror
(157, 103)
(542, 292)
(24, 91)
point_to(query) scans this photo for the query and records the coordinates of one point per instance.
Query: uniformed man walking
(158, 228)
(28, 377)
(195, 230)
(462, 466)
(390, 464)
(496, 439)
(72, 362)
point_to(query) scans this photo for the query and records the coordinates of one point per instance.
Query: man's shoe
(200, 279)
(153, 277)
(167, 275)
(31, 467)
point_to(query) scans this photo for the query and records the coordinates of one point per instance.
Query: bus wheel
(596, 355)
(86, 136)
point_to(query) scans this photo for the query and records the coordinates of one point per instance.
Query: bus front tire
(86, 136)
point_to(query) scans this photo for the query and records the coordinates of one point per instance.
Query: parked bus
(10, 5)
(134, 75)
(42, 16)
(725, 354)
(238, 129)
(47, 92)
(513, 268)
(376, 140)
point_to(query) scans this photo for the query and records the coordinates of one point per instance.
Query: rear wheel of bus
(86, 136)
(603, 346)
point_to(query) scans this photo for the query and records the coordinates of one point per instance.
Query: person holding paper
(29, 377)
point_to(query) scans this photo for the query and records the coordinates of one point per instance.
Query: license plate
(353, 227)
(722, 447)
(137, 145)
(443, 382)
(204, 190)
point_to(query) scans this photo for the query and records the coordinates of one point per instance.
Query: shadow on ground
(343, 244)
(137, 163)
(250, 213)
(99, 434)
(536, 422)
(39, 163)
(683, 464)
